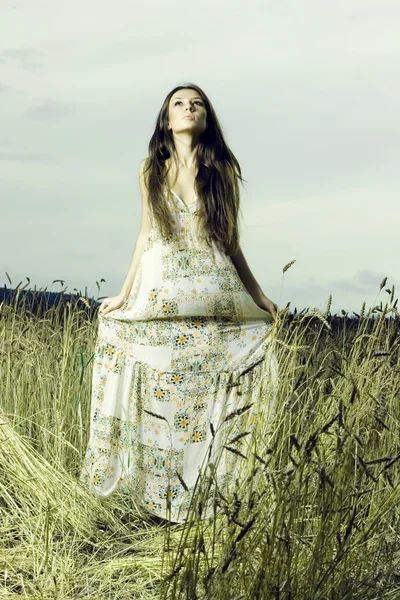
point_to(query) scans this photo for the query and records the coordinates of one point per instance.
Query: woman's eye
(197, 102)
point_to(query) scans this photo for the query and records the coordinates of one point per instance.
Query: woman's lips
(188, 117)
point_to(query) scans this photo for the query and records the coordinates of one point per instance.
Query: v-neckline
(184, 204)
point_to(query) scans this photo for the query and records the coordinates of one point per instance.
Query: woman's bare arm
(245, 274)
(251, 284)
(144, 232)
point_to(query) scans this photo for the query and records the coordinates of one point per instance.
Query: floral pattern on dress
(188, 347)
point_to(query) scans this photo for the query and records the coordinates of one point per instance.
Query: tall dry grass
(312, 511)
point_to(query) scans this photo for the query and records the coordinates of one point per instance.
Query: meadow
(314, 510)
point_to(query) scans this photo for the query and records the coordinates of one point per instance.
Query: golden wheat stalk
(286, 267)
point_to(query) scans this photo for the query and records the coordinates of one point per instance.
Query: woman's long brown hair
(216, 183)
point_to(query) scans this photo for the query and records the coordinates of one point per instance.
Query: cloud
(24, 58)
(7, 144)
(361, 282)
(3, 87)
(49, 109)
(27, 157)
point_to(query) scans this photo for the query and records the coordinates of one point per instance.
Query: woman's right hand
(113, 303)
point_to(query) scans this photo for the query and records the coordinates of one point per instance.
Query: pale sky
(307, 94)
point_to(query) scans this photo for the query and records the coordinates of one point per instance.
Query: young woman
(183, 342)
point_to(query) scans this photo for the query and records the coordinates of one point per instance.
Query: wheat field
(314, 510)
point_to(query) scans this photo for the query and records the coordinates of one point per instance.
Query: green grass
(313, 513)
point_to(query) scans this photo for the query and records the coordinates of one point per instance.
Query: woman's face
(187, 102)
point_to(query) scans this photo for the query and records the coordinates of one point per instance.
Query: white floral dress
(186, 348)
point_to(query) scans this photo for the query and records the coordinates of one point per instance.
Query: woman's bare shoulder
(143, 164)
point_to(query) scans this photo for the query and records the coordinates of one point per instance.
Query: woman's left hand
(267, 304)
